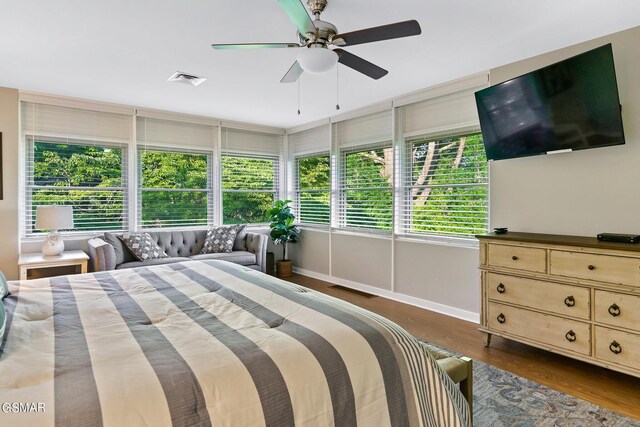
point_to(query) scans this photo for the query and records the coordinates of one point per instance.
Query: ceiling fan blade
(254, 45)
(298, 15)
(384, 32)
(359, 64)
(293, 74)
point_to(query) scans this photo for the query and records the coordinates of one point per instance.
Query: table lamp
(53, 218)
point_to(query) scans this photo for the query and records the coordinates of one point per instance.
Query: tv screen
(570, 105)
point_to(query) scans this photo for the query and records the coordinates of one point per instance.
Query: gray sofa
(109, 253)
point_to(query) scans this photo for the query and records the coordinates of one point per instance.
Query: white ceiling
(123, 51)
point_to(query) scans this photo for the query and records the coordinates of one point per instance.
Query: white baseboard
(469, 316)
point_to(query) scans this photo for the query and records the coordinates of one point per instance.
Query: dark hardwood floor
(612, 390)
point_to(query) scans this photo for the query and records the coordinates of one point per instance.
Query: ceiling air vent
(185, 78)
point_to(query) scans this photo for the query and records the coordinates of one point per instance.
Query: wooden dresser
(571, 295)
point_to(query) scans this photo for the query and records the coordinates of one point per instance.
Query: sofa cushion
(123, 254)
(240, 244)
(180, 243)
(154, 261)
(238, 257)
(142, 246)
(219, 239)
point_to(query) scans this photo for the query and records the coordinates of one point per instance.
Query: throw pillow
(123, 254)
(240, 244)
(142, 246)
(219, 239)
(4, 287)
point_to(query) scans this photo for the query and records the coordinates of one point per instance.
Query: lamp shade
(317, 60)
(54, 217)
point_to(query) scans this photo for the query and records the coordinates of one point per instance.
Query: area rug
(501, 398)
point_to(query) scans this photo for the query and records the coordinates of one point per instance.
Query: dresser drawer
(517, 257)
(618, 347)
(602, 268)
(617, 309)
(564, 300)
(570, 335)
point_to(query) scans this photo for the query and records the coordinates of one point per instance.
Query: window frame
(341, 214)
(209, 190)
(29, 182)
(405, 216)
(277, 164)
(297, 191)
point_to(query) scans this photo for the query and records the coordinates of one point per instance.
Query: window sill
(458, 242)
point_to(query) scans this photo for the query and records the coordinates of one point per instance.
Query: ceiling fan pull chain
(337, 92)
(299, 96)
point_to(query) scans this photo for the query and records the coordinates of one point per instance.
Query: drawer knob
(591, 267)
(570, 336)
(570, 301)
(515, 258)
(615, 347)
(614, 310)
(501, 318)
(501, 289)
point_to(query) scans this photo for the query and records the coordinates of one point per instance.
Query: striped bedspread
(209, 343)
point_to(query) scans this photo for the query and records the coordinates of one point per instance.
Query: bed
(202, 343)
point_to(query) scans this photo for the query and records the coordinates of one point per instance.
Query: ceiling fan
(323, 43)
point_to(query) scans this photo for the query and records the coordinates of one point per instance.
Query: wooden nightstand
(37, 260)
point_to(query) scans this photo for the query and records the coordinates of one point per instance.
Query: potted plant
(283, 232)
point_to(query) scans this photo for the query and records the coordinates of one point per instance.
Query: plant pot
(284, 268)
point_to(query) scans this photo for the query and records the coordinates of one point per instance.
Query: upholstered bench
(459, 369)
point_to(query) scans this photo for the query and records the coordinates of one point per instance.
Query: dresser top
(555, 239)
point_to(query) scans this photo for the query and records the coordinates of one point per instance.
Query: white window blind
(249, 187)
(363, 130)
(365, 173)
(86, 175)
(172, 133)
(444, 181)
(78, 158)
(174, 188)
(312, 178)
(445, 188)
(310, 141)
(365, 187)
(73, 123)
(247, 142)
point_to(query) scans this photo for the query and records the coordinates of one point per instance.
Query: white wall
(441, 274)
(311, 252)
(361, 259)
(581, 193)
(9, 203)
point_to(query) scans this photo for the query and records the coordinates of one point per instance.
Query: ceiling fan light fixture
(317, 60)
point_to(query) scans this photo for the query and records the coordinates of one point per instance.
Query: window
(445, 186)
(313, 189)
(249, 187)
(174, 188)
(366, 187)
(88, 176)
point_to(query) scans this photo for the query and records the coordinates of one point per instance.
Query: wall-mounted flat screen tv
(570, 105)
